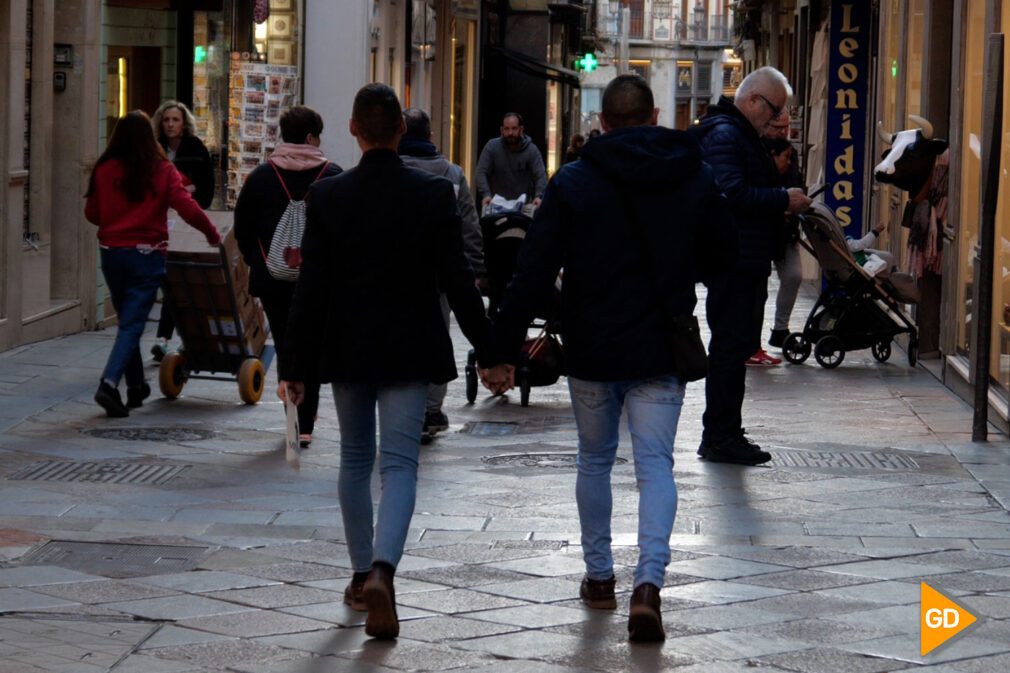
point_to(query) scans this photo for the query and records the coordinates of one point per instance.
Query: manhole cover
(527, 426)
(489, 428)
(152, 434)
(116, 560)
(859, 460)
(553, 460)
(104, 473)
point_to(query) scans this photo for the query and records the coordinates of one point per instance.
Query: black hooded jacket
(619, 290)
(747, 176)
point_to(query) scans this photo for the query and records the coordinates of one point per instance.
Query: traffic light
(587, 63)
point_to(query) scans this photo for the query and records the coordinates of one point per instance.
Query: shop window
(640, 68)
(591, 98)
(704, 79)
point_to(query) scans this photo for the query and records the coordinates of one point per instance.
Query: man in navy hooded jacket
(635, 223)
(730, 138)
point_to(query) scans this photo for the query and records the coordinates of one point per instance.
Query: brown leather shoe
(353, 596)
(380, 600)
(598, 594)
(645, 621)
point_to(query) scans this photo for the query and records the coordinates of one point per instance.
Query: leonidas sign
(848, 84)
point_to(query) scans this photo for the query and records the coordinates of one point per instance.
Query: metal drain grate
(552, 460)
(116, 560)
(489, 428)
(102, 473)
(861, 460)
(525, 427)
(152, 434)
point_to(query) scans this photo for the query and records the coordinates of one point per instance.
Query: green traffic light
(587, 63)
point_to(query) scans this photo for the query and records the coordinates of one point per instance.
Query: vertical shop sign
(848, 94)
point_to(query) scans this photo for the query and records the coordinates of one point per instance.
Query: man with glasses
(730, 138)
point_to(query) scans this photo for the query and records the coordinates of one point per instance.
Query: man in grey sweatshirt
(511, 165)
(417, 151)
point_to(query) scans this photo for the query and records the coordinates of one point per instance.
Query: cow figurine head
(908, 164)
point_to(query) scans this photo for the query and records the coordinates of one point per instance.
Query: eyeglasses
(776, 110)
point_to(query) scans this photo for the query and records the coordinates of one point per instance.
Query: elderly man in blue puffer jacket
(730, 139)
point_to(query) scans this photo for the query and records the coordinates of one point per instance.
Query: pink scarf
(293, 157)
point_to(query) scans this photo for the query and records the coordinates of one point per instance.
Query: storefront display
(259, 92)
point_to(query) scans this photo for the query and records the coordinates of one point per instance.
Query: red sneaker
(763, 359)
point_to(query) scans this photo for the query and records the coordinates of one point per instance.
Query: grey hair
(761, 80)
(188, 120)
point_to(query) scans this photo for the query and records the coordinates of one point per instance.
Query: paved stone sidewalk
(179, 541)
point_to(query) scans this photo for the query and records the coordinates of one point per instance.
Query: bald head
(627, 101)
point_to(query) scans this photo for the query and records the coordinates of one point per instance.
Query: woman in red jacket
(132, 187)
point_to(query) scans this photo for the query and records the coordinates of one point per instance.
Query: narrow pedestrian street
(178, 540)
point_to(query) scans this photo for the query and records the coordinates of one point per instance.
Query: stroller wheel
(471, 384)
(913, 352)
(881, 350)
(796, 348)
(523, 379)
(829, 351)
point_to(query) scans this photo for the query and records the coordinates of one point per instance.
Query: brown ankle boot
(645, 621)
(379, 597)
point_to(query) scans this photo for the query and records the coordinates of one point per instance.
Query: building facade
(681, 47)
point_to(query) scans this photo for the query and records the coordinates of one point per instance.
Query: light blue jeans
(401, 415)
(653, 407)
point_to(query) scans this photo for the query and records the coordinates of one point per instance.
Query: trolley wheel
(829, 351)
(523, 374)
(881, 350)
(471, 377)
(251, 378)
(913, 352)
(172, 375)
(796, 348)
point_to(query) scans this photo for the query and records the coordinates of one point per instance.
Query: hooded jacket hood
(645, 156)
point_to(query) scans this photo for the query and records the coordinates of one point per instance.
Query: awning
(530, 65)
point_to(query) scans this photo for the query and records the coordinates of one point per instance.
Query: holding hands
(498, 379)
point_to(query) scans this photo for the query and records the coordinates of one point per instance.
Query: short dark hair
(777, 146)
(519, 118)
(298, 122)
(627, 101)
(418, 124)
(377, 113)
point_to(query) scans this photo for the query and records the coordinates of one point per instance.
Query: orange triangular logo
(940, 619)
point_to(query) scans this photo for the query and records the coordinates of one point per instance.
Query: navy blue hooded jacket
(746, 175)
(614, 318)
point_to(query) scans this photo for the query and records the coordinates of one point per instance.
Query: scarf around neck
(294, 157)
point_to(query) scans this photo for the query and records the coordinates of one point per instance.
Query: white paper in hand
(292, 447)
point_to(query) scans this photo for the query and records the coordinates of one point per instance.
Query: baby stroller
(542, 359)
(855, 310)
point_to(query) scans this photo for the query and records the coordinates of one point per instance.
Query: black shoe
(645, 620)
(738, 450)
(135, 395)
(435, 421)
(778, 337)
(598, 594)
(380, 601)
(159, 350)
(108, 398)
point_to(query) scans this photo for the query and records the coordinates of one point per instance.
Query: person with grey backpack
(269, 222)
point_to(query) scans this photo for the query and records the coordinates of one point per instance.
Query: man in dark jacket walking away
(730, 138)
(381, 241)
(293, 166)
(417, 151)
(511, 165)
(635, 224)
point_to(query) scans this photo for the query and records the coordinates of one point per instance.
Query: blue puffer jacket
(614, 318)
(745, 173)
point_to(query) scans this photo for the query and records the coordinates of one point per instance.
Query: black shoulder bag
(689, 356)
